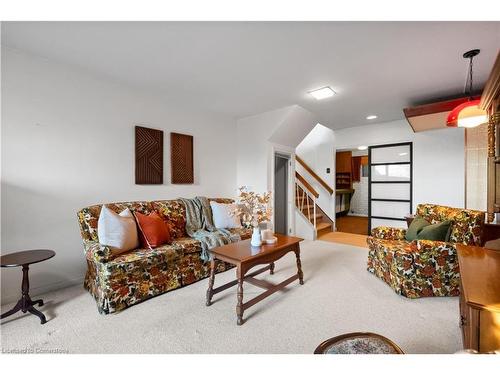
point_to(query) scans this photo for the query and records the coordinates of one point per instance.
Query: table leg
(34, 311)
(25, 289)
(25, 304)
(299, 266)
(211, 282)
(239, 306)
(15, 309)
(271, 268)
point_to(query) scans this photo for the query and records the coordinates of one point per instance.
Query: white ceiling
(244, 68)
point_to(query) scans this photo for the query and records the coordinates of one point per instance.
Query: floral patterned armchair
(423, 268)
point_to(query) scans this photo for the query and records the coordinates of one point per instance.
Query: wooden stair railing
(305, 202)
(306, 184)
(312, 173)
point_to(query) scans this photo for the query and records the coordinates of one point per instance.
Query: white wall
(68, 142)
(317, 150)
(438, 158)
(259, 137)
(253, 146)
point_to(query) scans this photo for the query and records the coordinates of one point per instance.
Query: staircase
(305, 202)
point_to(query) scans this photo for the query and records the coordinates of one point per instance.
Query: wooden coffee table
(245, 257)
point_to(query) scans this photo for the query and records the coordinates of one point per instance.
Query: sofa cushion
(187, 245)
(435, 232)
(225, 215)
(417, 224)
(89, 216)
(118, 231)
(154, 231)
(145, 258)
(174, 213)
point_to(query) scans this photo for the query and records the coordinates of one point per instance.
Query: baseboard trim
(39, 290)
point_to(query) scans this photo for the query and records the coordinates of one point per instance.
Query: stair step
(318, 216)
(323, 228)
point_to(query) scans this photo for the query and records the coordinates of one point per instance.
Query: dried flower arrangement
(253, 208)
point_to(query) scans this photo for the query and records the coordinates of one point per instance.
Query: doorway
(351, 190)
(390, 185)
(281, 176)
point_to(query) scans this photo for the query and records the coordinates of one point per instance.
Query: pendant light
(468, 114)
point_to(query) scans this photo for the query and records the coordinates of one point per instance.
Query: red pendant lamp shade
(467, 115)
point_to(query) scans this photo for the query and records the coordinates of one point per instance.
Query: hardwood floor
(353, 224)
(345, 238)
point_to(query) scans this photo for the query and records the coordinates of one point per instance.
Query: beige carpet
(338, 296)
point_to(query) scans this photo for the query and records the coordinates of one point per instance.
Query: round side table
(24, 259)
(358, 343)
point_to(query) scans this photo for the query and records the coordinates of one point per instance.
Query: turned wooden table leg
(271, 268)
(299, 266)
(211, 282)
(239, 306)
(25, 288)
(25, 304)
(15, 309)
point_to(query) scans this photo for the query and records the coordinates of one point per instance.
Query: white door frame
(290, 152)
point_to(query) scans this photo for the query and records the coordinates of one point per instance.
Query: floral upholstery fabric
(423, 268)
(389, 233)
(467, 225)
(174, 213)
(117, 282)
(89, 216)
(244, 233)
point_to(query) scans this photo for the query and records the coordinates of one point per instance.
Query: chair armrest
(96, 252)
(389, 233)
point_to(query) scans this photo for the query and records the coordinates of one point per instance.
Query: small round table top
(21, 258)
(358, 343)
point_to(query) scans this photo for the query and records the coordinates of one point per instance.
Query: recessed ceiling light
(322, 93)
(371, 117)
(362, 147)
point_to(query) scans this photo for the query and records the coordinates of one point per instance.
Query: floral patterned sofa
(126, 279)
(423, 268)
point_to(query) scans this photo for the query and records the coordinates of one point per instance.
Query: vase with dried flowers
(253, 209)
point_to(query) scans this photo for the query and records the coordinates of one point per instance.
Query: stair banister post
(314, 212)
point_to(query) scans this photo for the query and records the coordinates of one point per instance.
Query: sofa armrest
(96, 252)
(389, 233)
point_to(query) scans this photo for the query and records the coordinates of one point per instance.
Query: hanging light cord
(469, 79)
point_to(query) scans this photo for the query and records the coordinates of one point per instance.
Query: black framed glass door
(390, 184)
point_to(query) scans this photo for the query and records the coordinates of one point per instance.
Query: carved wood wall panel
(181, 157)
(148, 156)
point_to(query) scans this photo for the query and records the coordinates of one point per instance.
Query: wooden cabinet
(490, 101)
(343, 169)
(479, 297)
(343, 162)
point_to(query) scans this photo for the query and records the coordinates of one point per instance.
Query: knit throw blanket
(200, 226)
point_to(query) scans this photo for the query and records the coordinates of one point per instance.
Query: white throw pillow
(223, 216)
(119, 232)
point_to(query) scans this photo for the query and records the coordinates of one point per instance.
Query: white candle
(266, 234)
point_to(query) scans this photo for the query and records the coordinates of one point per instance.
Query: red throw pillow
(154, 231)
